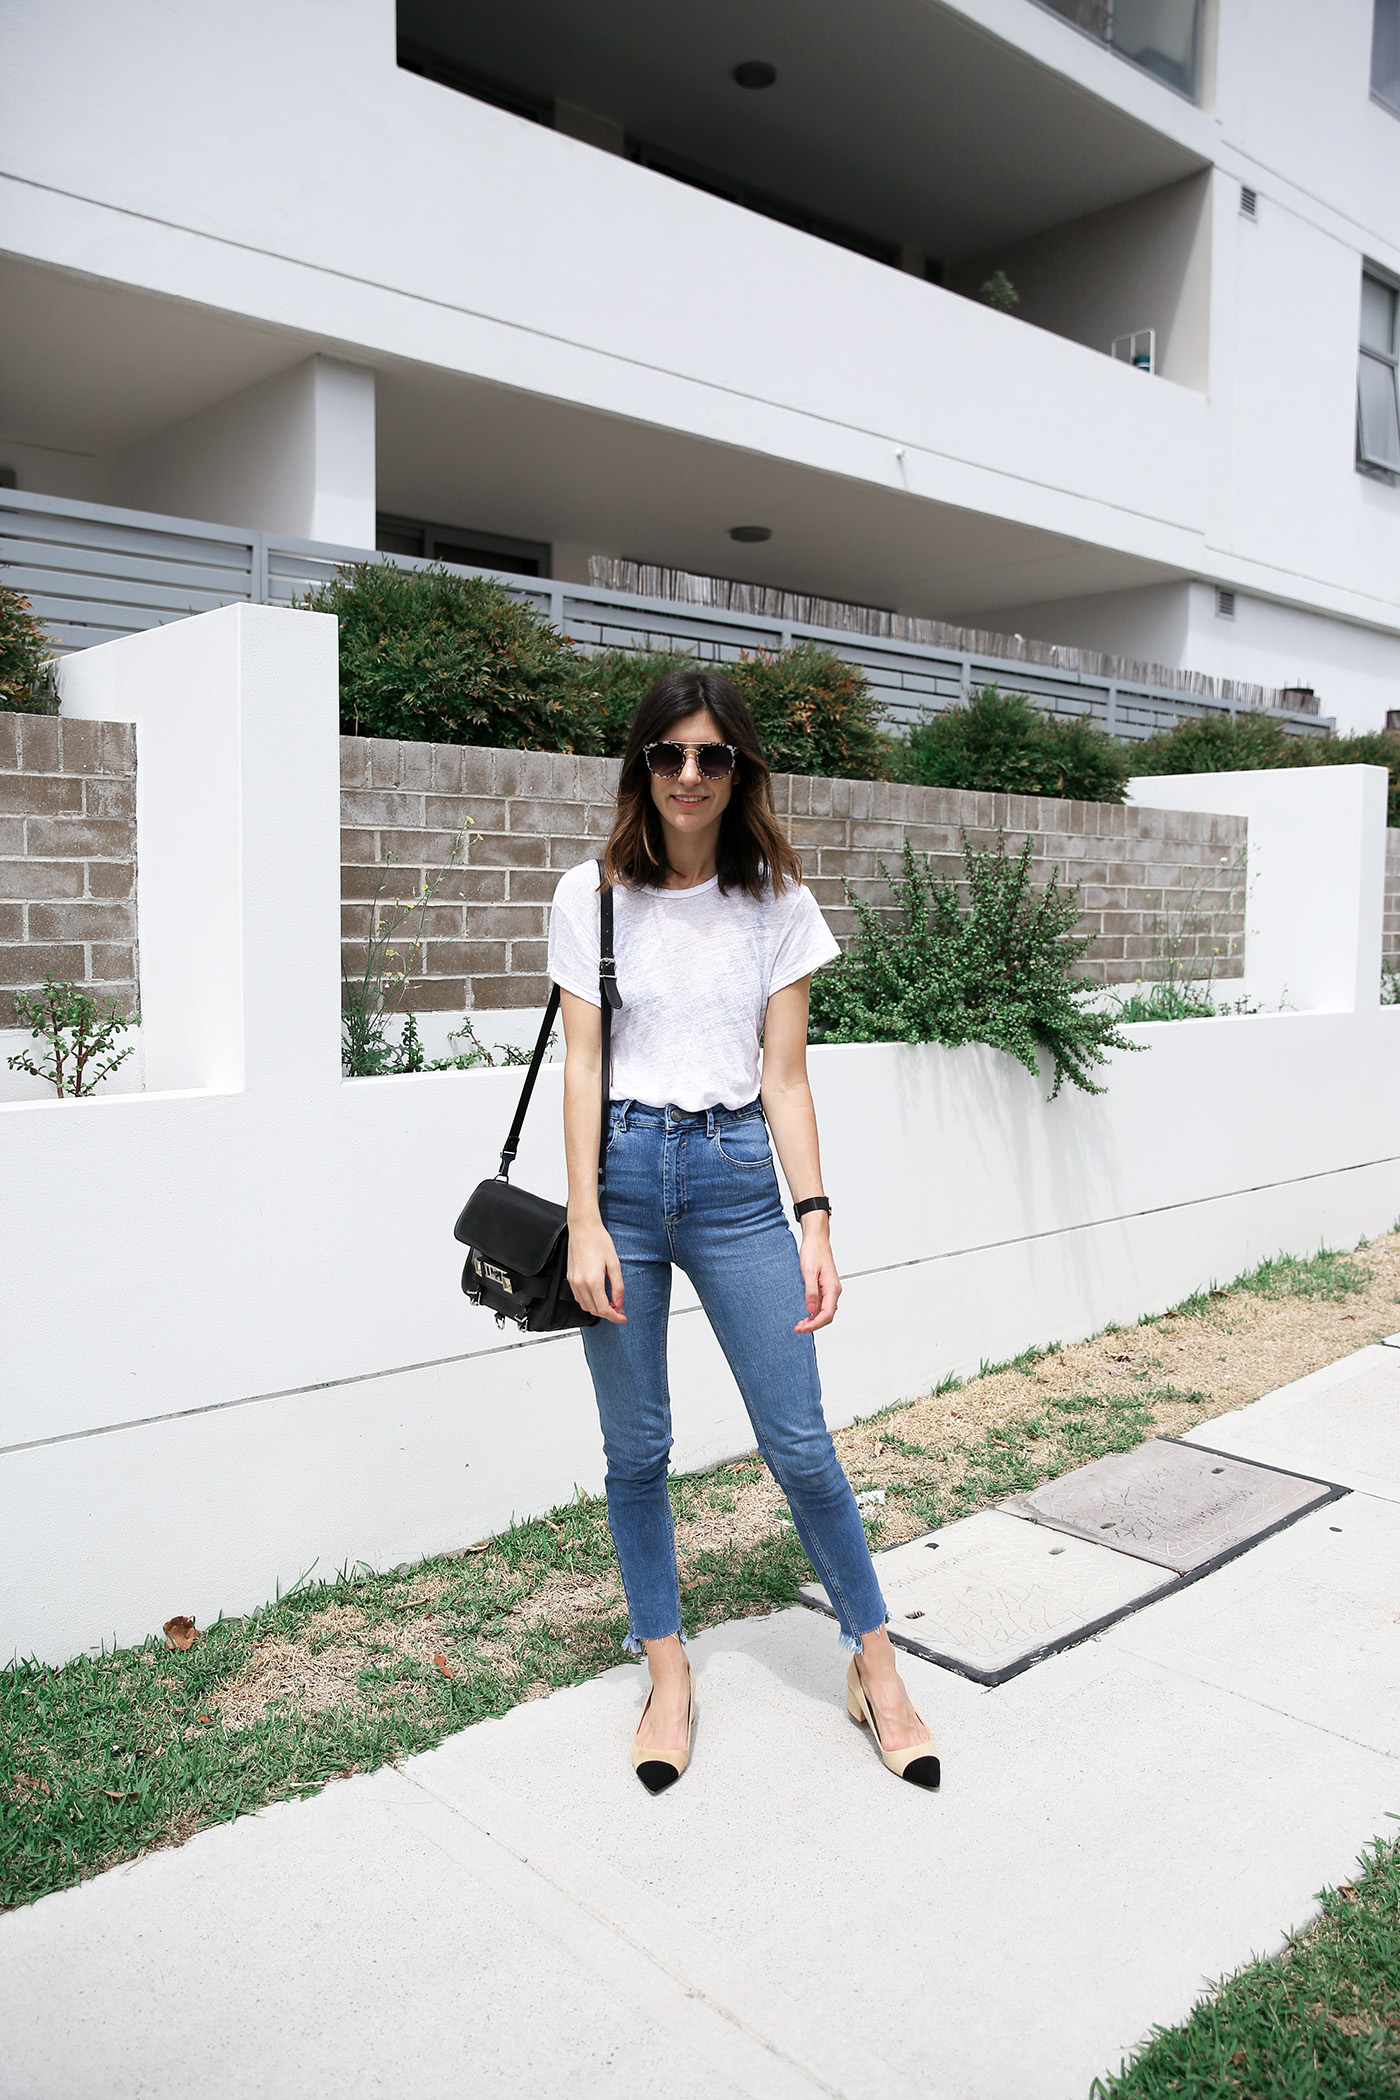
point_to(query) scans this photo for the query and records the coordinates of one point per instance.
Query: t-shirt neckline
(694, 889)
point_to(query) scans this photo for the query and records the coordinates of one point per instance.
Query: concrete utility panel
(990, 1594)
(1178, 1506)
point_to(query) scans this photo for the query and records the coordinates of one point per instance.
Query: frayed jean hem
(854, 1643)
(635, 1643)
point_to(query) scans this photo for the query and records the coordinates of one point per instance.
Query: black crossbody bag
(518, 1244)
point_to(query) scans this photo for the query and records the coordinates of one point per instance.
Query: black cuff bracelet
(800, 1210)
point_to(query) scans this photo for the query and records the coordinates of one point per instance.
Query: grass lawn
(1322, 2022)
(105, 1759)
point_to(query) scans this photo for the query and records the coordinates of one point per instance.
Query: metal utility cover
(1179, 1506)
(991, 1594)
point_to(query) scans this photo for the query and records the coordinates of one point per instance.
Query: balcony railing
(1163, 37)
(93, 574)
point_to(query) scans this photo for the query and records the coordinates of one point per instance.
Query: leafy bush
(1253, 741)
(1002, 743)
(815, 713)
(446, 659)
(994, 970)
(612, 684)
(79, 1039)
(27, 684)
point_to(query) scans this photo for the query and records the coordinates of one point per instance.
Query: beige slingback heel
(918, 1764)
(657, 1773)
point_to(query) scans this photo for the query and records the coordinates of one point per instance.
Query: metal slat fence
(93, 574)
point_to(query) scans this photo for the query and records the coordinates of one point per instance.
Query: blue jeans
(700, 1191)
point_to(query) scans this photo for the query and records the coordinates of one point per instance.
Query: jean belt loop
(709, 1122)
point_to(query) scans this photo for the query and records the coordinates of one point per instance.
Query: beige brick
(423, 849)
(799, 795)
(11, 836)
(358, 848)
(531, 885)
(821, 797)
(416, 766)
(480, 770)
(508, 921)
(46, 879)
(111, 962)
(109, 797)
(528, 956)
(119, 747)
(40, 744)
(817, 831)
(82, 919)
(500, 992)
(466, 958)
(380, 806)
(68, 838)
(474, 813)
(438, 995)
(9, 743)
(782, 793)
(80, 745)
(354, 761)
(30, 963)
(503, 849)
(531, 775)
(597, 779)
(37, 794)
(11, 923)
(568, 852)
(527, 814)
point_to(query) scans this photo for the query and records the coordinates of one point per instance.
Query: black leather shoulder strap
(609, 997)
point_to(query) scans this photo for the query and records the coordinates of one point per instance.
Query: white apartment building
(698, 285)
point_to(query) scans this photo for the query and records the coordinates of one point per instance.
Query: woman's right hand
(594, 1269)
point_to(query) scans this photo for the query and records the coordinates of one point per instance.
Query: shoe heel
(856, 1711)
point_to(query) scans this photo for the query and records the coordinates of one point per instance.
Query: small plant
(994, 970)
(79, 1038)
(374, 998)
(998, 291)
(1003, 744)
(28, 680)
(1390, 985)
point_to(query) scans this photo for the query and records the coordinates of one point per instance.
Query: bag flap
(511, 1227)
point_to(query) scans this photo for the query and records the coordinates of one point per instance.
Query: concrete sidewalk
(512, 1913)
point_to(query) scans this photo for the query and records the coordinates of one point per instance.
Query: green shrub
(611, 686)
(993, 970)
(1003, 744)
(1253, 741)
(446, 659)
(815, 713)
(27, 685)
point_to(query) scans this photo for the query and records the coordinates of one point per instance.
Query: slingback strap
(608, 998)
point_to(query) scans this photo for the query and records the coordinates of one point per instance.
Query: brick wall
(1390, 937)
(1152, 879)
(67, 857)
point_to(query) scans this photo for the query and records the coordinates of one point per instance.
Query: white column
(1316, 877)
(293, 454)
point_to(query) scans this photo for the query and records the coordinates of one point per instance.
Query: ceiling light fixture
(755, 73)
(750, 535)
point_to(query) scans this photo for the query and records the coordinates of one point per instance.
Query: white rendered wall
(291, 454)
(1316, 875)
(262, 1361)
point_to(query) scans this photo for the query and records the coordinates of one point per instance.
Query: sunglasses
(715, 761)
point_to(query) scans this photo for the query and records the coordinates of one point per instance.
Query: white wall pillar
(1316, 877)
(237, 840)
(293, 454)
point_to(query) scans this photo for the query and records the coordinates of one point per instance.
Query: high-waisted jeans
(699, 1191)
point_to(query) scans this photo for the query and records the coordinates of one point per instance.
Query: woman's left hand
(823, 1285)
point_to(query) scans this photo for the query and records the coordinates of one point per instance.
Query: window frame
(1382, 469)
(1383, 101)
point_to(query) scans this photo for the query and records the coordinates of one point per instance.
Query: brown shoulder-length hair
(752, 849)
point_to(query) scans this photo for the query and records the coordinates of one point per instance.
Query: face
(690, 804)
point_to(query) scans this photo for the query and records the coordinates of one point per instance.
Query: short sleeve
(573, 933)
(806, 943)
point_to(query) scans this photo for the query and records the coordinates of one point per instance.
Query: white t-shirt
(695, 971)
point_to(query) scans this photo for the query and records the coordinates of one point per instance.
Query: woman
(715, 941)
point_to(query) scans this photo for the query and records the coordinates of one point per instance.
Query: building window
(1377, 404)
(460, 546)
(1385, 55)
(1161, 36)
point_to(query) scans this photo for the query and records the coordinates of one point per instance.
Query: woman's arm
(792, 1118)
(593, 1262)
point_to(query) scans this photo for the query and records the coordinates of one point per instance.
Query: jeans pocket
(744, 1144)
